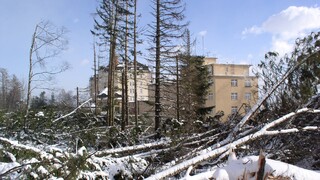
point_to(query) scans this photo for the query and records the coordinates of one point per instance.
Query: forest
(61, 135)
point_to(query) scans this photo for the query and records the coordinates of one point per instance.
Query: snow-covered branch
(211, 154)
(72, 112)
(255, 108)
(134, 148)
(15, 145)
(248, 168)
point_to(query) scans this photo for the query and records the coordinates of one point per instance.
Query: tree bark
(177, 88)
(135, 63)
(157, 85)
(126, 117)
(30, 77)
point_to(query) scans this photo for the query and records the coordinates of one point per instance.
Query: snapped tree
(48, 42)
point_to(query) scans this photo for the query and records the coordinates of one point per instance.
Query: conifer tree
(106, 27)
(165, 30)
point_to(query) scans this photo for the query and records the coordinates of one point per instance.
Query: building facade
(232, 90)
(143, 80)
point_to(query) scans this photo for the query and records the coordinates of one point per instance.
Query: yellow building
(232, 90)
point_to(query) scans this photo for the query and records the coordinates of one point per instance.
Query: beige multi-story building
(233, 89)
(143, 80)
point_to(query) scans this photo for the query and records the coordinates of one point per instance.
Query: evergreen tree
(39, 102)
(165, 31)
(113, 25)
(303, 65)
(15, 94)
(4, 88)
(106, 27)
(194, 87)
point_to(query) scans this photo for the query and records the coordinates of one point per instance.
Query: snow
(82, 151)
(248, 166)
(11, 156)
(42, 170)
(40, 114)
(4, 167)
(221, 174)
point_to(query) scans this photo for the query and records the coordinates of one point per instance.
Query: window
(247, 83)
(234, 82)
(141, 83)
(210, 97)
(247, 96)
(234, 96)
(234, 109)
(141, 91)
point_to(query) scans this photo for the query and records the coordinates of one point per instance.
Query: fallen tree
(217, 151)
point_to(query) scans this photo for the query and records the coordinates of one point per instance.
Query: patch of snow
(34, 175)
(4, 167)
(40, 114)
(248, 166)
(82, 151)
(11, 156)
(42, 170)
(220, 174)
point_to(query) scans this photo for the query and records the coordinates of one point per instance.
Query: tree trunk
(95, 78)
(177, 89)
(157, 85)
(123, 110)
(126, 70)
(135, 63)
(30, 78)
(112, 67)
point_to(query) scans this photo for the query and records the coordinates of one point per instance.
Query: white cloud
(252, 30)
(288, 25)
(293, 20)
(202, 33)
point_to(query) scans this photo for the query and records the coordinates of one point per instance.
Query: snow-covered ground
(247, 168)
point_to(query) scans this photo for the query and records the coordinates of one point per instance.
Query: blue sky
(233, 31)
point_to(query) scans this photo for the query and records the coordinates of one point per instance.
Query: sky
(234, 31)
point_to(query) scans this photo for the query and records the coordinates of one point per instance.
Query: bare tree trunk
(135, 63)
(112, 67)
(177, 88)
(78, 102)
(123, 113)
(157, 86)
(30, 77)
(126, 117)
(95, 78)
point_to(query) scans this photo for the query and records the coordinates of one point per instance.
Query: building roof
(104, 94)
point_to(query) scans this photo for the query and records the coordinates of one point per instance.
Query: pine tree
(167, 27)
(106, 27)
